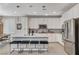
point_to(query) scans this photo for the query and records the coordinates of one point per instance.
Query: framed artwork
(19, 26)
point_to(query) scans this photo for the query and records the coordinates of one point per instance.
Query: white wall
(10, 24)
(52, 23)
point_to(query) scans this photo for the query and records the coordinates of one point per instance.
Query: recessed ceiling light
(43, 6)
(18, 6)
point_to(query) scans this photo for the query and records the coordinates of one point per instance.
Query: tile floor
(54, 49)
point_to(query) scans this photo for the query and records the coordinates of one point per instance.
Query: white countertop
(25, 35)
(20, 36)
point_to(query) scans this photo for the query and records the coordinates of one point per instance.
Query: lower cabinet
(69, 47)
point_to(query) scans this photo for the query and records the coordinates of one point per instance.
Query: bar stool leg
(19, 49)
(30, 50)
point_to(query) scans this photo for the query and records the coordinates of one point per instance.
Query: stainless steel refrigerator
(71, 36)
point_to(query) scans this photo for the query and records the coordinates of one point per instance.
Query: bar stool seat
(14, 42)
(43, 42)
(24, 42)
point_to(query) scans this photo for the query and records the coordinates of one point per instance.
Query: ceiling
(24, 9)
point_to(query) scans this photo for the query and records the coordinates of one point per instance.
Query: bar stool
(26, 48)
(33, 45)
(19, 46)
(43, 46)
(13, 46)
(23, 46)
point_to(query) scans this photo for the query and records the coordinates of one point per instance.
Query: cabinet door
(69, 47)
(1, 28)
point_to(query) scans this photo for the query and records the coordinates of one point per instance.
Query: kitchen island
(28, 43)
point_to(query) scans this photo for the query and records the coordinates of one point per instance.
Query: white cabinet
(51, 37)
(54, 37)
(69, 47)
